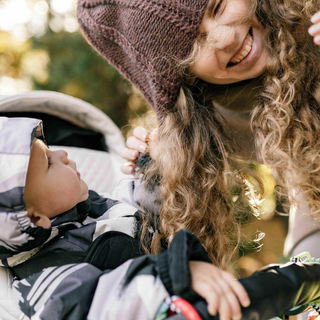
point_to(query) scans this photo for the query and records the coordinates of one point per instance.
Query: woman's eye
(49, 162)
(217, 7)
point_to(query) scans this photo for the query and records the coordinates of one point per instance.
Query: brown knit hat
(144, 39)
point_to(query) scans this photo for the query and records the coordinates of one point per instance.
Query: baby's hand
(223, 293)
(314, 30)
(139, 142)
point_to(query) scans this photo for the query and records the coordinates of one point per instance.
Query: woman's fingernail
(316, 40)
(142, 148)
(315, 18)
(134, 154)
(127, 164)
(311, 30)
(212, 311)
(127, 168)
(246, 303)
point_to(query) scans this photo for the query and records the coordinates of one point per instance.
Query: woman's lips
(243, 51)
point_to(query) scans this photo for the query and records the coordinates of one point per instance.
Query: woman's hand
(314, 30)
(135, 144)
(223, 293)
(139, 142)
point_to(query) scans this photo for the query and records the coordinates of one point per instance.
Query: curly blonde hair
(192, 152)
(286, 121)
(192, 163)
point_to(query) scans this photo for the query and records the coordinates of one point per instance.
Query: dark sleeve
(173, 265)
(99, 204)
(137, 288)
(80, 291)
(278, 288)
(275, 290)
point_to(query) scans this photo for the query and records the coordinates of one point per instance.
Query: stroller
(92, 139)
(89, 136)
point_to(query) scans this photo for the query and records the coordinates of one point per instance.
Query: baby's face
(53, 183)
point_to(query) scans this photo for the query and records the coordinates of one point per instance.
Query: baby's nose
(63, 155)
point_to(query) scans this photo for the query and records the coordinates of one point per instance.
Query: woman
(229, 80)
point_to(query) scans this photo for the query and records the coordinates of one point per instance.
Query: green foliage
(76, 69)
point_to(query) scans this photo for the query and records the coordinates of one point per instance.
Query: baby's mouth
(244, 50)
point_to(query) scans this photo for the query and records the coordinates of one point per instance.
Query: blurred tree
(74, 68)
(45, 51)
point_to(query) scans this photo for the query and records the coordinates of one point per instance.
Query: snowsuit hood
(17, 233)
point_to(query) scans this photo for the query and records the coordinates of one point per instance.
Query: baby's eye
(49, 162)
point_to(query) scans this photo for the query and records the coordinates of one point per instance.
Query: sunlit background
(41, 48)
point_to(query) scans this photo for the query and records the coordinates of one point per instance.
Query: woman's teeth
(244, 53)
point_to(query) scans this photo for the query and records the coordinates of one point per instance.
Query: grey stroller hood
(18, 235)
(70, 109)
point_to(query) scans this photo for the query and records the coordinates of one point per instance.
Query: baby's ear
(38, 219)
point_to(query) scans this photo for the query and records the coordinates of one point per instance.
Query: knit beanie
(146, 40)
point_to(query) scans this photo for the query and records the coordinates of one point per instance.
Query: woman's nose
(225, 37)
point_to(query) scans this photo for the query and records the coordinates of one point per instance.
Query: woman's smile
(243, 52)
(235, 47)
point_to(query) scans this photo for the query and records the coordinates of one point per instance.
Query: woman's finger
(314, 29)
(233, 303)
(128, 167)
(316, 40)
(224, 309)
(129, 154)
(208, 292)
(213, 302)
(136, 144)
(228, 295)
(141, 134)
(316, 17)
(237, 288)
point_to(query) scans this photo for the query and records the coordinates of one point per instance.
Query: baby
(49, 216)
(50, 223)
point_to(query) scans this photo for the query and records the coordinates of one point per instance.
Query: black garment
(82, 288)
(79, 238)
(112, 249)
(63, 133)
